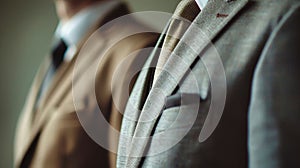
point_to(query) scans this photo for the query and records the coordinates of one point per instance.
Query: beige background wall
(26, 28)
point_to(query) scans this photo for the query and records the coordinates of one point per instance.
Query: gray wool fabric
(257, 42)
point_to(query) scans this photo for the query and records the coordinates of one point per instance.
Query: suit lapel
(25, 125)
(33, 95)
(55, 83)
(38, 117)
(204, 28)
(135, 103)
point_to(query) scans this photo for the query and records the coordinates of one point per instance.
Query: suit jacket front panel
(240, 44)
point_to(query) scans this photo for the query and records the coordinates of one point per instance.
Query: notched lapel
(200, 34)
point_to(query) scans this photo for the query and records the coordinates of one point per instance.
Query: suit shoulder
(270, 12)
(274, 6)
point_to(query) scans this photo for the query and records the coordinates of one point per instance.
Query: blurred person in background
(49, 133)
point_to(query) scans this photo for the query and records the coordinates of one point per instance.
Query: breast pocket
(180, 112)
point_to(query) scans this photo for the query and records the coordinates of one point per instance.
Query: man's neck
(66, 9)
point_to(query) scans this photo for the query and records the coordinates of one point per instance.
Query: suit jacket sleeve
(274, 113)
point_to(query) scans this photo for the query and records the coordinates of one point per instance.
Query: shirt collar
(201, 3)
(75, 29)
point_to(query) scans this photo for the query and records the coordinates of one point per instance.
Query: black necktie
(58, 53)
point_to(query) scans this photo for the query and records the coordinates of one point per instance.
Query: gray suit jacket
(245, 116)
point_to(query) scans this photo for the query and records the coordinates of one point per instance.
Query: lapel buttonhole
(229, 1)
(221, 15)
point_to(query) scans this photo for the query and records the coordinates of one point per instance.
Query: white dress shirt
(74, 30)
(201, 3)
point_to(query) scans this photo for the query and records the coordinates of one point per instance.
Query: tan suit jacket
(52, 135)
